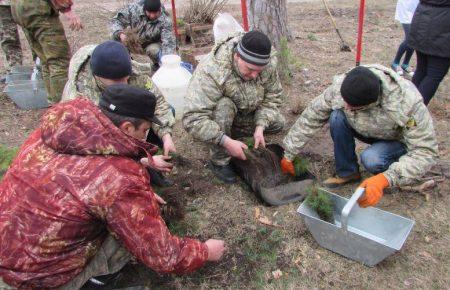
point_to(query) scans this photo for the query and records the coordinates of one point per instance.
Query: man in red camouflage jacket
(76, 201)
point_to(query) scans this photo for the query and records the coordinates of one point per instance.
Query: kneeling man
(375, 105)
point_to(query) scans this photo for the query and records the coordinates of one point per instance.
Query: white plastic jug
(172, 80)
(224, 26)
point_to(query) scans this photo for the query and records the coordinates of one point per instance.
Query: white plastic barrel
(172, 80)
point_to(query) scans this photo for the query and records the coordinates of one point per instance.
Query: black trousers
(429, 73)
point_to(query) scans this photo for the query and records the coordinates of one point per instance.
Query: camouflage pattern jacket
(159, 30)
(81, 82)
(75, 179)
(399, 114)
(217, 77)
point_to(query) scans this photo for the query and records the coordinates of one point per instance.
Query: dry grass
(203, 11)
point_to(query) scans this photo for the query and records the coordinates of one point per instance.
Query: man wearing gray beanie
(153, 26)
(234, 92)
(94, 67)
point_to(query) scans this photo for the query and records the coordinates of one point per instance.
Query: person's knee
(225, 113)
(277, 125)
(372, 161)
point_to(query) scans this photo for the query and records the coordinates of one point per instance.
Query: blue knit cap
(111, 60)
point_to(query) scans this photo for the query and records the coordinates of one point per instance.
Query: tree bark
(270, 17)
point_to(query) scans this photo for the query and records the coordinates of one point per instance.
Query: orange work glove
(287, 167)
(374, 190)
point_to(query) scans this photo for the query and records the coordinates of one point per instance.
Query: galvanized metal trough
(367, 235)
(26, 92)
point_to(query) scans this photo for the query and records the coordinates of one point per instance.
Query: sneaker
(158, 179)
(395, 67)
(337, 181)
(407, 71)
(224, 173)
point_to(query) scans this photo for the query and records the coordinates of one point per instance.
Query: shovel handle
(349, 206)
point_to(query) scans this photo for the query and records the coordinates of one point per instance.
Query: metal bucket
(367, 235)
(27, 94)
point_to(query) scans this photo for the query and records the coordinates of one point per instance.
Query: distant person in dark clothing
(430, 37)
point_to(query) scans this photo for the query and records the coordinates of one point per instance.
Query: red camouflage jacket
(73, 180)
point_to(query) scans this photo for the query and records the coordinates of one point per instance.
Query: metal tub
(27, 94)
(367, 235)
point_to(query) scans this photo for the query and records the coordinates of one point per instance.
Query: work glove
(374, 190)
(287, 166)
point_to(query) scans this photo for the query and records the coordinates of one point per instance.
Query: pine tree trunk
(270, 17)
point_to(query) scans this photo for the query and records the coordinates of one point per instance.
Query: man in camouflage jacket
(9, 36)
(76, 202)
(152, 24)
(235, 91)
(375, 105)
(44, 31)
(113, 62)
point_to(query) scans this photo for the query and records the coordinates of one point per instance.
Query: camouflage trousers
(237, 125)
(45, 34)
(110, 258)
(153, 50)
(9, 38)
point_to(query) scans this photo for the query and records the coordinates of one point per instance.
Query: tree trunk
(270, 17)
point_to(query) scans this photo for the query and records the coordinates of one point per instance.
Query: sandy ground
(227, 212)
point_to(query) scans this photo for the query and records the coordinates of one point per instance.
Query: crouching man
(234, 92)
(76, 202)
(93, 67)
(375, 105)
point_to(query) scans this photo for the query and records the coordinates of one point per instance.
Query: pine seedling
(321, 202)
(301, 166)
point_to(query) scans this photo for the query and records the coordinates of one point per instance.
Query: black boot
(224, 173)
(158, 179)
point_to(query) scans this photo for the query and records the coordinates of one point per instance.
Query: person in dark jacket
(430, 37)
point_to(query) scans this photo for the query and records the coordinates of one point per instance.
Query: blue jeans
(376, 159)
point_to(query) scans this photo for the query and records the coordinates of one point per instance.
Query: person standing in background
(404, 14)
(44, 31)
(9, 37)
(430, 37)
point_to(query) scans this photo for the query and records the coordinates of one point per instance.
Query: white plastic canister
(172, 80)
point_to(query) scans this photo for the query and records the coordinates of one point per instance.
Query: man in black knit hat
(152, 24)
(375, 105)
(235, 92)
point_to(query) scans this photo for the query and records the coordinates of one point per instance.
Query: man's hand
(287, 166)
(159, 163)
(259, 137)
(168, 144)
(235, 148)
(74, 20)
(123, 38)
(374, 190)
(216, 248)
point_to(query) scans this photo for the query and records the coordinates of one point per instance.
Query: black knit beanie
(360, 87)
(152, 5)
(255, 48)
(111, 60)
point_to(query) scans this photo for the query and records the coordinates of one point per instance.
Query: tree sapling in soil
(321, 202)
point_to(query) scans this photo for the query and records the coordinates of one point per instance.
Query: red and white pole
(174, 19)
(362, 5)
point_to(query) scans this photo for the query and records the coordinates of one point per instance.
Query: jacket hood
(78, 127)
